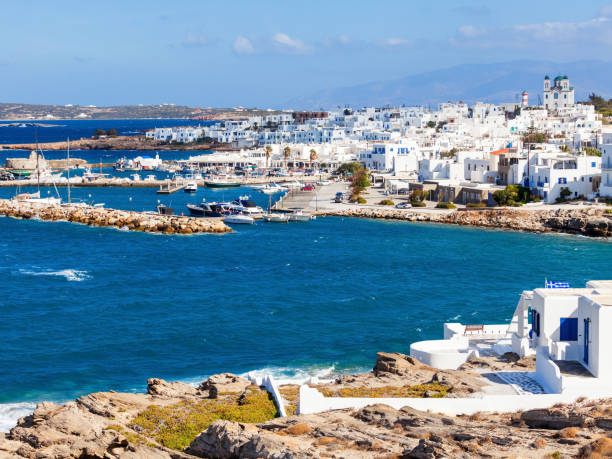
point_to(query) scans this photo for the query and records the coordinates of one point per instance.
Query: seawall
(132, 221)
(590, 221)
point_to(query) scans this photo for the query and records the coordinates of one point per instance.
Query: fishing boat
(209, 209)
(299, 216)
(162, 209)
(239, 219)
(276, 218)
(191, 187)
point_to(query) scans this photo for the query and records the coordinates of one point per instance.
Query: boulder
(552, 419)
(396, 363)
(162, 388)
(224, 383)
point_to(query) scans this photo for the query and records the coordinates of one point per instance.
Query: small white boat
(299, 216)
(276, 218)
(191, 187)
(239, 219)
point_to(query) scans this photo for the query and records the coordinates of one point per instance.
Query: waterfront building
(566, 328)
(605, 189)
(556, 175)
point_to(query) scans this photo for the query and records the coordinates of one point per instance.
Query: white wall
(312, 401)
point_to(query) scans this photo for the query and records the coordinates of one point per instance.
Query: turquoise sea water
(86, 309)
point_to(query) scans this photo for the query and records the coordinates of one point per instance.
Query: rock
(396, 363)
(604, 423)
(224, 383)
(156, 386)
(427, 450)
(552, 419)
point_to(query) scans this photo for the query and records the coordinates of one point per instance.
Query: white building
(558, 94)
(551, 173)
(605, 189)
(567, 328)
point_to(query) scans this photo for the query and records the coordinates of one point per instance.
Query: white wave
(69, 274)
(11, 412)
(456, 317)
(287, 375)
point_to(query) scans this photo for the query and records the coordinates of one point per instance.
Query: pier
(148, 222)
(171, 187)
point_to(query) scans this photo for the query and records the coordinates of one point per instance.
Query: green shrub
(418, 204)
(386, 202)
(475, 204)
(445, 205)
(361, 200)
(176, 426)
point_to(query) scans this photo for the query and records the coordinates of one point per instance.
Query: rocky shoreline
(227, 416)
(137, 142)
(121, 219)
(591, 221)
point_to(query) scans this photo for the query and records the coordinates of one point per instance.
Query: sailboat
(274, 218)
(34, 198)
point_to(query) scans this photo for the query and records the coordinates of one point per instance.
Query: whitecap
(11, 412)
(456, 317)
(74, 275)
(289, 375)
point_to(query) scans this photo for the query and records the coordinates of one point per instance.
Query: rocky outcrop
(224, 383)
(132, 221)
(589, 221)
(396, 363)
(552, 419)
(102, 426)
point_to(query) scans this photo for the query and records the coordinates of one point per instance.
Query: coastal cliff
(226, 416)
(121, 142)
(590, 221)
(122, 219)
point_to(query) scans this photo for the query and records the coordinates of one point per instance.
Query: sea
(92, 309)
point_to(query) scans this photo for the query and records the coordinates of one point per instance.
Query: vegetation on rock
(433, 390)
(178, 425)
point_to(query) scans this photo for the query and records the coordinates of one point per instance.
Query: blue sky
(263, 53)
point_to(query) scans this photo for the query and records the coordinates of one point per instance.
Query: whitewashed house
(550, 173)
(605, 188)
(567, 328)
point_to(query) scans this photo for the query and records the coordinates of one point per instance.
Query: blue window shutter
(569, 329)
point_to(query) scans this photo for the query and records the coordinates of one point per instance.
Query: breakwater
(591, 221)
(132, 221)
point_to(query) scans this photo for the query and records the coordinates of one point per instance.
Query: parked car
(6, 175)
(403, 205)
(339, 197)
(308, 188)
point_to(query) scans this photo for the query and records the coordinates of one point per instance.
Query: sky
(264, 53)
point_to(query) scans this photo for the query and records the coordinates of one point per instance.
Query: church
(559, 94)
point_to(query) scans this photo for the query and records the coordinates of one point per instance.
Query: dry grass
(418, 391)
(568, 432)
(600, 448)
(291, 395)
(539, 443)
(298, 429)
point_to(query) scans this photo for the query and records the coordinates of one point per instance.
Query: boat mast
(37, 163)
(68, 167)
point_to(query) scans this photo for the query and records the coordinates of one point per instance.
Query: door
(586, 341)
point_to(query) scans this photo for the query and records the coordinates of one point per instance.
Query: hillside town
(461, 153)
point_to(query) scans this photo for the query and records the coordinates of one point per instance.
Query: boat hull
(223, 184)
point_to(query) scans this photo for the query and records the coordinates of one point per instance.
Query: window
(562, 180)
(568, 329)
(590, 179)
(592, 164)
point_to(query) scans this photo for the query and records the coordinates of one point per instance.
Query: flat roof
(602, 300)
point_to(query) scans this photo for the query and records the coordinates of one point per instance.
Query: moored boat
(299, 216)
(239, 219)
(276, 218)
(191, 187)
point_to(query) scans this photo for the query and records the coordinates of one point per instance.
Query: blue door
(586, 341)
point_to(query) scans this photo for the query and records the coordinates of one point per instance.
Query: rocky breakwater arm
(133, 221)
(589, 221)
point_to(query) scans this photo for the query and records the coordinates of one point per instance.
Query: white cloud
(243, 45)
(396, 41)
(285, 43)
(593, 31)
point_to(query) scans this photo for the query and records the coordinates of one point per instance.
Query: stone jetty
(133, 221)
(590, 221)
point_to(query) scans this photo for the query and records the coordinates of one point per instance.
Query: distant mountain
(494, 83)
